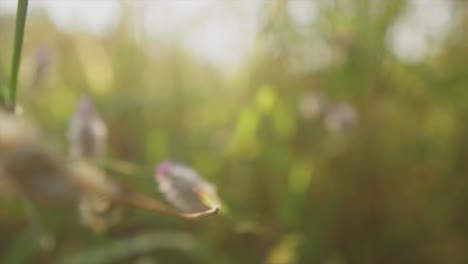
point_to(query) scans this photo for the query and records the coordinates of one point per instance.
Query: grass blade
(17, 47)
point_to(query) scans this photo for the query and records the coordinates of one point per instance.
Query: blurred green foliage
(390, 190)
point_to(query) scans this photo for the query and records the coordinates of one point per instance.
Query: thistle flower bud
(87, 133)
(184, 188)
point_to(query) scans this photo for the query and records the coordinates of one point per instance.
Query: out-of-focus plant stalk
(42, 175)
(144, 202)
(17, 47)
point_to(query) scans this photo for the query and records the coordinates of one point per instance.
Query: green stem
(18, 45)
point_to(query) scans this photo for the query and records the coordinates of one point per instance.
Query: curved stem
(144, 202)
(203, 214)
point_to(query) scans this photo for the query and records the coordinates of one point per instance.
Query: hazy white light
(98, 17)
(432, 17)
(408, 44)
(425, 21)
(219, 32)
(303, 12)
(8, 6)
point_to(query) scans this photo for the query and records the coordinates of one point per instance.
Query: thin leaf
(142, 244)
(17, 47)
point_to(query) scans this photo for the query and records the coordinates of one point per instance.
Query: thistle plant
(39, 173)
(51, 179)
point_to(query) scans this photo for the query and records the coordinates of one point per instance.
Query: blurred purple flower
(340, 117)
(184, 188)
(87, 133)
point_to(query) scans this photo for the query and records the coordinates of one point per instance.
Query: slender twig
(147, 203)
(17, 47)
(211, 211)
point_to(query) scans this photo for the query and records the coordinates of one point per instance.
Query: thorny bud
(185, 189)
